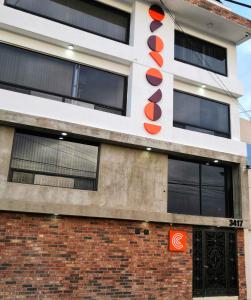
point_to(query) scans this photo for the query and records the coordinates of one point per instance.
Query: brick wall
(47, 257)
(221, 11)
(241, 266)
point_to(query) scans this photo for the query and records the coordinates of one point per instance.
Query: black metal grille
(214, 262)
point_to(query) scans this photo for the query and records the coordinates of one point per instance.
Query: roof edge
(222, 12)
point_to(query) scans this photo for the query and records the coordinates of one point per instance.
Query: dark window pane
(47, 77)
(101, 87)
(199, 114)
(198, 189)
(214, 115)
(200, 53)
(186, 109)
(14, 88)
(22, 177)
(183, 187)
(249, 154)
(33, 70)
(213, 195)
(84, 184)
(52, 161)
(87, 15)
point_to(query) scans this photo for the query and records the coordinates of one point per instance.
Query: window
(88, 15)
(196, 188)
(200, 114)
(41, 75)
(200, 53)
(249, 154)
(49, 161)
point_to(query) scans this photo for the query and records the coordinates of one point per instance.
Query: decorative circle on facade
(156, 13)
(156, 97)
(152, 128)
(153, 111)
(155, 25)
(154, 77)
(157, 58)
(155, 43)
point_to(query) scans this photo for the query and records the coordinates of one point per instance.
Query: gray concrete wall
(128, 179)
(132, 185)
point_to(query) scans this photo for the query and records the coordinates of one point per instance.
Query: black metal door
(214, 262)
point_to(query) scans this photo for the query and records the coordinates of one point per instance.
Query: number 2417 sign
(178, 241)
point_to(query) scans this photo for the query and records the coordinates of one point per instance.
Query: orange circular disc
(154, 77)
(153, 111)
(155, 43)
(156, 13)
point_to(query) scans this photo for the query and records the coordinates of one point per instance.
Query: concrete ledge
(110, 213)
(111, 137)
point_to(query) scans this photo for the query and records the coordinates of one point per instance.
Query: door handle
(206, 267)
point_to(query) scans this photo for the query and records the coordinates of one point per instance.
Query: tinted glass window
(48, 161)
(249, 154)
(199, 114)
(88, 15)
(183, 187)
(101, 87)
(200, 53)
(199, 189)
(213, 191)
(48, 77)
(33, 70)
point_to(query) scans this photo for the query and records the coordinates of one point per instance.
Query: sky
(244, 60)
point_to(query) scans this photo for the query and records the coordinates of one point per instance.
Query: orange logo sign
(178, 240)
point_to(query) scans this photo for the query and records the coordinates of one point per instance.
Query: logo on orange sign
(177, 240)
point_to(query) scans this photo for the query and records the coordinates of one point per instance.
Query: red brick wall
(80, 258)
(46, 257)
(241, 266)
(221, 11)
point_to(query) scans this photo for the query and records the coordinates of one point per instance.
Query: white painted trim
(123, 5)
(219, 4)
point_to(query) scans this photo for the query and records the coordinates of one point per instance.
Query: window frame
(114, 9)
(64, 97)
(208, 99)
(248, 147)
(197, 65)
(55, 136)
(229, 204)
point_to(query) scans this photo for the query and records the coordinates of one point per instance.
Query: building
(123, 174)
(246, 137)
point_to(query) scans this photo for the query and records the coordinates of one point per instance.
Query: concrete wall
(132, 184)
(248, 231)
(128, 179)
(132, 60)
(245, 126)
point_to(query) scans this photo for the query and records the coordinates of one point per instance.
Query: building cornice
(221, 11)
(19, 120)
